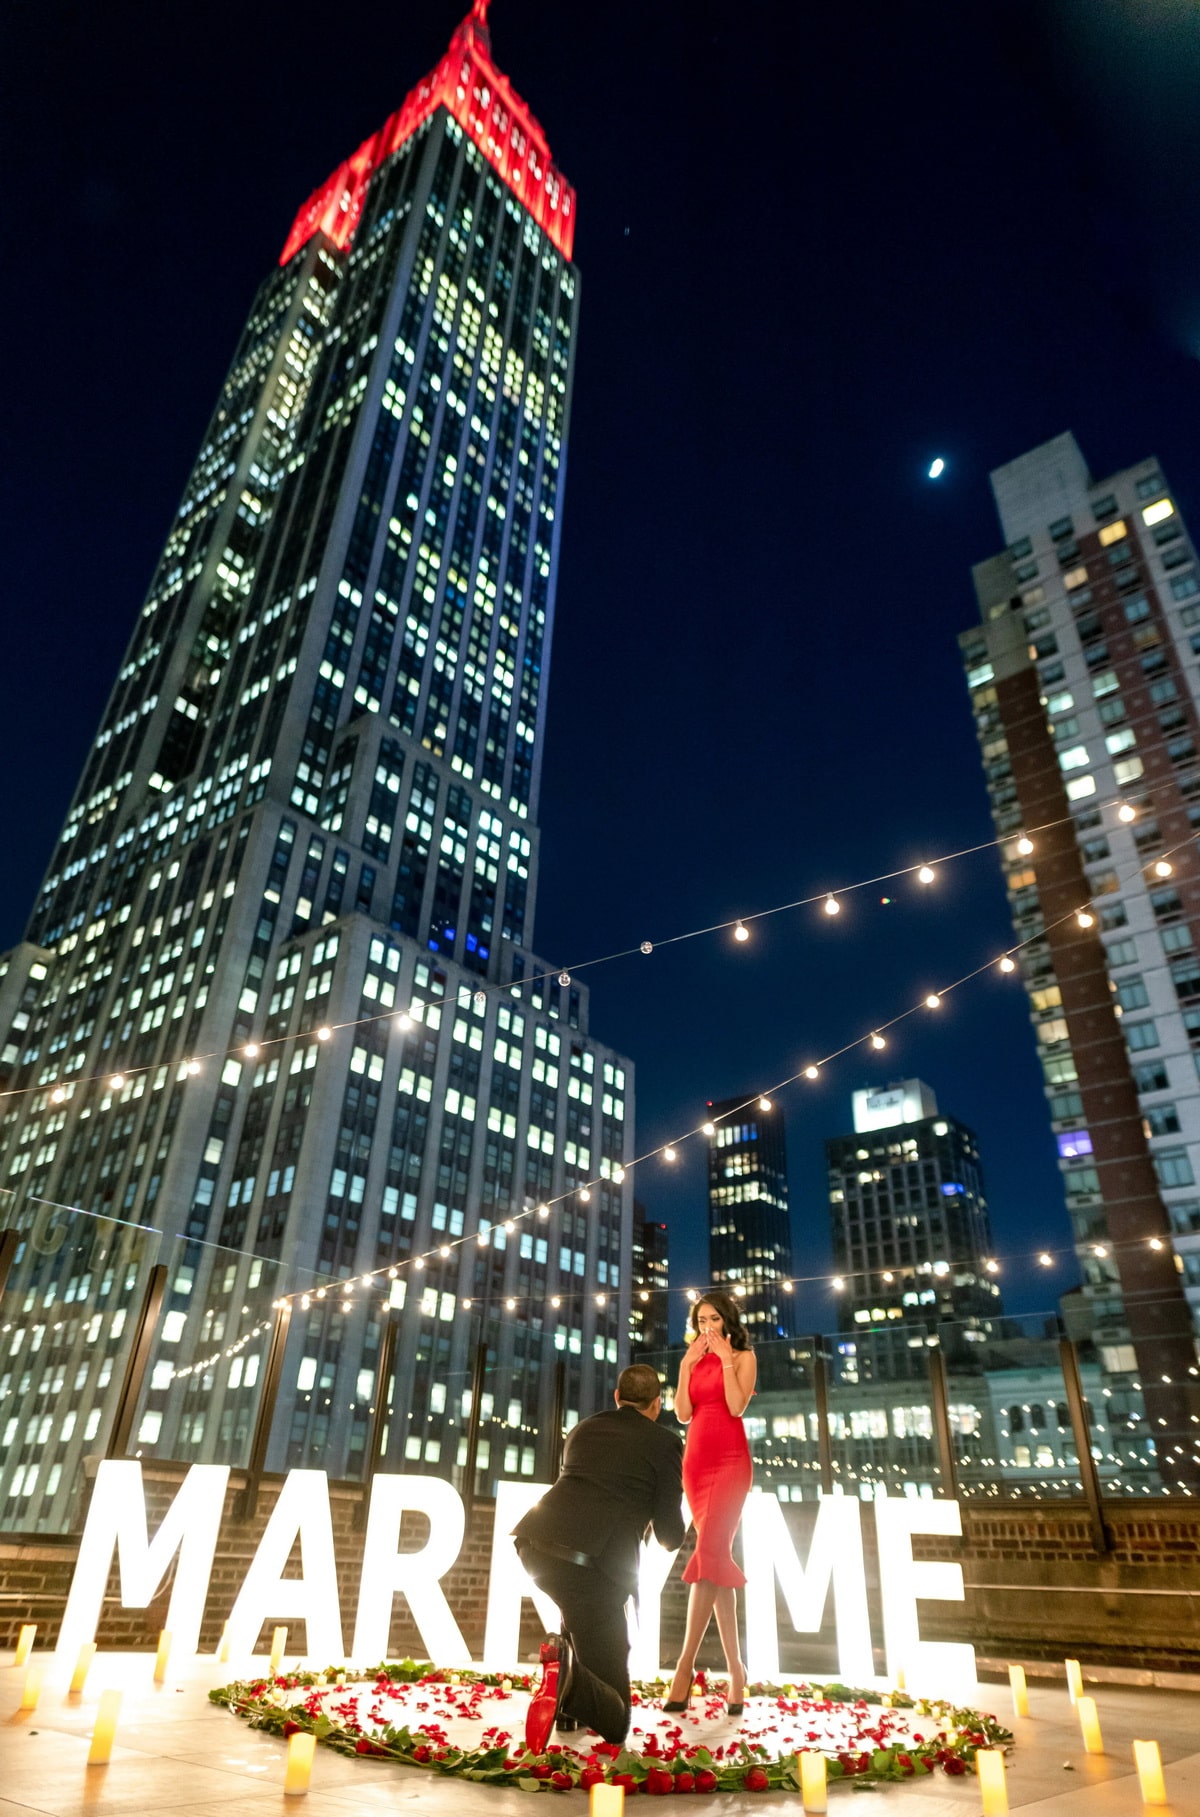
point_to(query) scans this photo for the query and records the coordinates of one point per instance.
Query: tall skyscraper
(1084, 684)
(277, 992)
(749, 1228)
(911, 1238)
(649, 1284)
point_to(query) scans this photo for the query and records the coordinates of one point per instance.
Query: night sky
(820, 246)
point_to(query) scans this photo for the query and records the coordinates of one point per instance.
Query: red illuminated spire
(467, 83)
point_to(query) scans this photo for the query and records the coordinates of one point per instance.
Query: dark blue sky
(819, 247)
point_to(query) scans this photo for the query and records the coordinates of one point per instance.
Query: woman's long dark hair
(727, 1309)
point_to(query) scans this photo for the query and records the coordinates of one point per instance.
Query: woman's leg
(727, 1627)
(701, 1598)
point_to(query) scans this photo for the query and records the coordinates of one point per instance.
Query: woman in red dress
(716, 1383)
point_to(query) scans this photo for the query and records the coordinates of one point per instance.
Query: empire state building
(276, 1023)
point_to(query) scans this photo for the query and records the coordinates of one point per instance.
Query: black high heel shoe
(675, 1709)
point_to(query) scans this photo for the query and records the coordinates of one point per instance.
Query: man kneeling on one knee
(621, 1473)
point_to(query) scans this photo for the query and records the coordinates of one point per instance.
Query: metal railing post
(1089, 1477)
(939, 1403)
(380, 1414)
(135, 1365)
(558, 1418)
(247, 1502)
(469, 1464)
(9, 1244)
(820, 1382)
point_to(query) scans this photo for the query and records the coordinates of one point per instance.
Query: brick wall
(1034, 1587)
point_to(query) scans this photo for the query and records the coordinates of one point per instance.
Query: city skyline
(693, 1019)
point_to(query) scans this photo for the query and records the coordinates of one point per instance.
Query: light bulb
(57, 1095)
(765, 1104)
(618, 1174)
(599, 1299)
(992, 1267)
(837, 1283)
(193, 1067)
(509, 1226)
(1008, 964)
(444, 1251)
(1085, 919)
(739, 1290)
(1156, 1243)
(585, 1193)
(482, 1238)
(511, 1304)
(708, 1129)
(392, 1273)
(741, 932)
(1163, 868)
(1100, 1250)
(692, 1295)
(564, 978)
(480, 999)
(404, 1019)
(555, 1301)
(1025, 845)
(933, 1001)
(888, 1275)
(419, 1262)
(543, 1211)
(811, 1072)
(117, 1081)
(786, 1285)
(1126, 813)
(644, 1297)
(1047, 1261)
(467, 1305)
(878, 1042)
(925, 874)
(251, 1050)
(647, 946)
(305, 1302)
(324, 1034)
(668, 1154)
(321, 1292)
(832, 905)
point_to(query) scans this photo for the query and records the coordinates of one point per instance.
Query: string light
(1163, 868)
(812, 1072)
(1126, 812)
(324, 1034)
(543, 1211)
(1025, 845)
(647, 947)
(1046, 1260)
(117, 1081)
(708, 1129)
(58, 1095)
(1008, 964)
(832, 906)
(1156, 1243)
(878, 1042)
(404, 1020)
(444, 1251)
(193, 1067)
(668, 1154)
(837, 1283)
(585, 1194)
(564, 978)
(765, 1104)
(251, 1050)
(741, 931)
(926, 874)
(1084, 918)
(933, 1001)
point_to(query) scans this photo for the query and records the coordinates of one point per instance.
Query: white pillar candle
(814, 1793)
(223, 1646)
(1148, 1761)
(300, 1751)
(32, 1688)
(162, 1658)
(1020, 1690)
(607, 1801)
(1089, 1722)
(25, 1641)
(989, 1764)
(278, 1643)
(1074, 1680)
(83, 1665)
(103, 1735)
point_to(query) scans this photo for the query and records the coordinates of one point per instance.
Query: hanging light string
(925, 873)
(668, 1151)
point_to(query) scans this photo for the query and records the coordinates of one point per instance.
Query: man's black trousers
(593, 1614)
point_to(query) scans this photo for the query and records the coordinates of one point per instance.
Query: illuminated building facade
(749, 1227)
(911, 1238)
(277, 993)
(1083, 681)
(649, 1282)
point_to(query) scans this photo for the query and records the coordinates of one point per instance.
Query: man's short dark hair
(638, 1385)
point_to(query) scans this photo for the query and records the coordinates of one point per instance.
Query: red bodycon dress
(717, 1474)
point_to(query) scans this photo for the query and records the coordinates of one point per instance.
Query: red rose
(591, 1776)
(954, 1766)
(422, 1753)
(706, 1780)
(755, 1780)
(685, 1782)
(905, 1763)
(927, 1763)
(562, 1782)
(540, 1769)
(627, 1780)
(291, 1728)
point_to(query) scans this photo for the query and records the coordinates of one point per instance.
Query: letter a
(302, 1512)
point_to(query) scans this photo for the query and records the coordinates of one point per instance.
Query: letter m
(116, 1523)
(835, 1559)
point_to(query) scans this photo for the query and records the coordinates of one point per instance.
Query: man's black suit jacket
(621, 1472)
